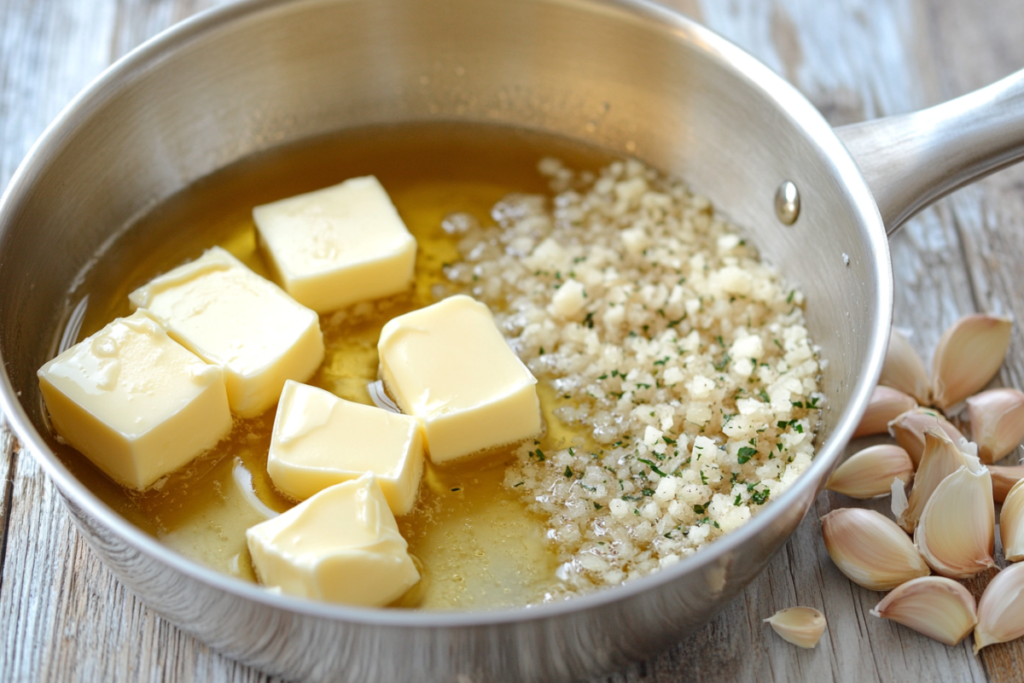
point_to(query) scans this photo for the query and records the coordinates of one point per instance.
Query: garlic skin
(869, 473)
(801, 626)
(903, 369)
(885, 405)
(1001, 609)
(1011, 524)
(1004, 477)
(940, 459)
(870, 549)
(997, 422)
(898, 503)
(956, 532)
(908, 429)
(937, 607)
(968, 356)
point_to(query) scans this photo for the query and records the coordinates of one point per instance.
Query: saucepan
(625, 75)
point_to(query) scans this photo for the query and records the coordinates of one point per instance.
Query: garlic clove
(997, 422)
(939, 608)
(886, 405)
(1001, 609)
(968, 356)
(870, 549)
(940, 459)
(869, 473)
(1011, 524)
(956, 532)
(903, 369)
(1004, 477)
(908, 429)
(801, 626)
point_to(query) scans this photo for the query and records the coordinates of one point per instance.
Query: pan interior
(626, 78)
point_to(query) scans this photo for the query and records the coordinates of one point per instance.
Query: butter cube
(320, 440)
(342, 545)
(448, 365)
(230, 316)
(134, 401)
(339, 245)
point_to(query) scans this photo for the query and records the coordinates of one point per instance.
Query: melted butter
(475, 541)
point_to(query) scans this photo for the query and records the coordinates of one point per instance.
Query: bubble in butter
(231, 317)
(342, 545)
(320, 440)
(448, 365)
(134, 401)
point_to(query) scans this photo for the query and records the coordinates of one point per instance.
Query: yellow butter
(231, 317)
(342, 545)
(448, 365)
(338, 245)
(134, 401)
(320, 440)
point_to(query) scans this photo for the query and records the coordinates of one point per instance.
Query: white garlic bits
(801, 626)
(956, 532)
(1001, 608)
(937, 607)
(870, 549)
(968, 356)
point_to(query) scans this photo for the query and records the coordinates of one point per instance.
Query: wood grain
(66, 618)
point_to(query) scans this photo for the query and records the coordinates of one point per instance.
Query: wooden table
(63, 617)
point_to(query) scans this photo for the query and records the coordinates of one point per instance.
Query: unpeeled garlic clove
(870, 549)
(1004, 477)
(801, 626)
(939, 608)
(903, 369)
(886, 405)
(869, 473)
(1001, 609)
(908, 429)
(1011, 523)
(997, 422)
(956, 532)
(940, 459)
(968, 357)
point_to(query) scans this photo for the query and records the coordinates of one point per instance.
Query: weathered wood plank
(72, 621)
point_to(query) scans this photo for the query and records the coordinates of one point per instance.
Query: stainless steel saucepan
(622, 74)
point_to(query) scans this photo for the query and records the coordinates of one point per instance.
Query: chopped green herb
(760, 497)
(745, 454)
(568, 471)
(598, 506)
(653, 467)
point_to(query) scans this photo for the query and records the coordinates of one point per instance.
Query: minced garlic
(662, 335)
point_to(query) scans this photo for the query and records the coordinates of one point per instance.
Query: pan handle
(911, 160)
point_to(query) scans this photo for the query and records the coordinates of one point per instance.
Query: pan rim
(759, 76)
